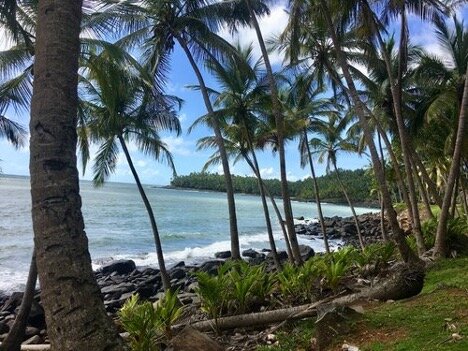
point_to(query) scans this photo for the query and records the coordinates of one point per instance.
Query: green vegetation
(357, 182)
(150, 324)
(425, 322)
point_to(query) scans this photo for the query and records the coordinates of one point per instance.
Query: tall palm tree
(75, 315)
(280, 128)
(303, 103)
(157, 26)
(328, 144)
(325, 14)
(122, 105)
(237, 102)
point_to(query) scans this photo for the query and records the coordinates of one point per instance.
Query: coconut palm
(304, 104)
(121, 106)
(156, 26)
(326, 14)
(328, 144)
(237, 101)
(75, 315)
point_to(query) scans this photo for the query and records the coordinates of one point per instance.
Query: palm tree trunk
(234, 233)
(454, 198)
(288, 213)
(422, 190)
(396, 90)
(440, 246)
(157, 240)
(75, 314)
(351, 206)
(317, 194)
(254, 165)
(383, 227)
(431, 185)
(400, 183)
(281, 222)
(397, 234)
(16, 334)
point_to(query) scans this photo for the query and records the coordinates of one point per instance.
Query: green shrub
(140, 320)
(147, 323)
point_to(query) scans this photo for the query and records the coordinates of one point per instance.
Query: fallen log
(405, 282)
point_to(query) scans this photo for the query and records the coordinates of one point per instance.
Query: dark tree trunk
(16, 334)
(397, 234)
(351, 206)
(317, 194)
(157, 240)
(235, 248)
(281, 222)
(440, 246)
(74, 311)
(288, 213)
(422, 190)
(271, 239)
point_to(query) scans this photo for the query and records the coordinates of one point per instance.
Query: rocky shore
(118, 280)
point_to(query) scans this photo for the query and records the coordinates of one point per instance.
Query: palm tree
(328, 144)
(302, 102)
(280, 126)
(122, 105)
(75, 315)
(237, 103)
(325, 15)
(157, 26)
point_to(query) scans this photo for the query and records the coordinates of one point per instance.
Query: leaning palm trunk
(440, 246)
(235, 248)
(396, 90)
(397, 234)
(422, 190)
(157, 240)
(281, 222)
(75, 314)
(255, 168)
(16, 334)
(317, 193)
(351, 206)
(288, 213)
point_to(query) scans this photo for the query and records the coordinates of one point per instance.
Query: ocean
(193, 225)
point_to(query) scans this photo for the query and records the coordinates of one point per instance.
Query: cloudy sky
(183, 147)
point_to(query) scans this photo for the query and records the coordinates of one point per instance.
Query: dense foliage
(357, 182)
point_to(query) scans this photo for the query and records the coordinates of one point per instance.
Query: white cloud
(141, 163)
(268, 173)
(178, 146)
(270, 25)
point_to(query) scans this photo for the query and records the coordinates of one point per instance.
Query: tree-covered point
(357, 182)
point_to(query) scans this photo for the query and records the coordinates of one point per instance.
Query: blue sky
(187, 158)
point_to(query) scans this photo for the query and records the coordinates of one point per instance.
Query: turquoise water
(193, 225)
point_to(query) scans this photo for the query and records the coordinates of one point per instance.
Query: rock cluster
(118, 280)
(344, 229)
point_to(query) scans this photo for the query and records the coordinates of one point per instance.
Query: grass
(424, 322)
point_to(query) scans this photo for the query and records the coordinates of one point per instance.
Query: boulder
(306, 252)
(252, 253)
(120, 267)
(13, 301)
(118, 289)
(177, 273)
(282, 255)
(211, 267)
(223, 254)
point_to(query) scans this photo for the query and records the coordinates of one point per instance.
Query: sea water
(193, 225)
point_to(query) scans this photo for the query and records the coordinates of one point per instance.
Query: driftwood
(405, 282)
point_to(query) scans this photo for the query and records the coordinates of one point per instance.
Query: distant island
(358, 183)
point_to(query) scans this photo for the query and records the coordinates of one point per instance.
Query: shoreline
(119, 280)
